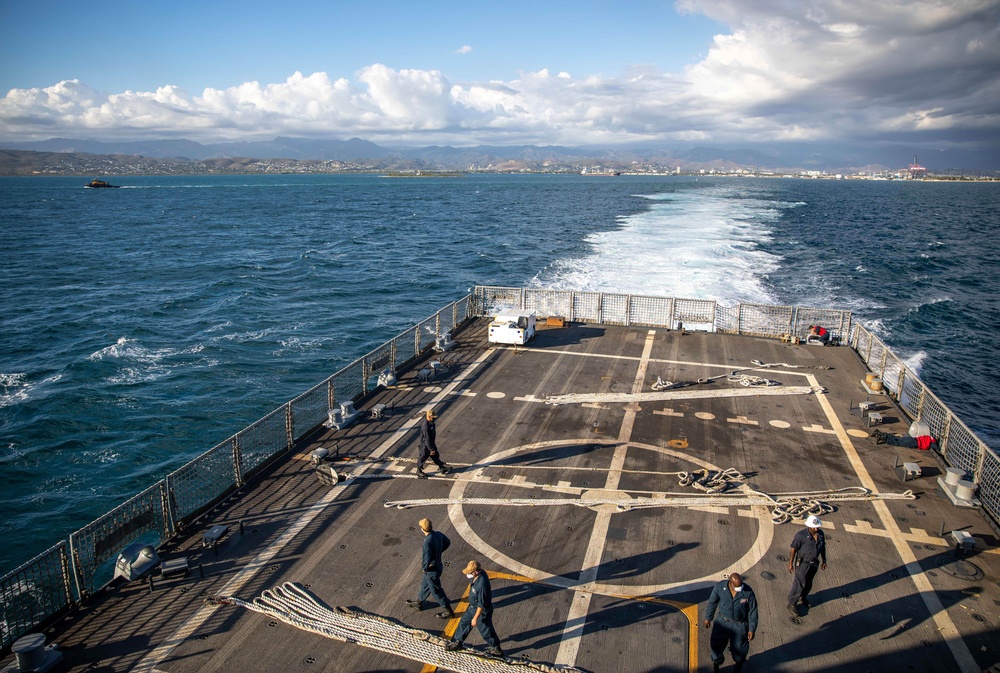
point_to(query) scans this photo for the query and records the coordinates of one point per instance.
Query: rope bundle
(712, 481)
(292, 604)
(786, 365)
(747, 380)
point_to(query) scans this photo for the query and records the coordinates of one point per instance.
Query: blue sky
(139, 46)
(465, 73)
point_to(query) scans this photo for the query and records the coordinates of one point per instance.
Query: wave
(137, 363)
(17, 388)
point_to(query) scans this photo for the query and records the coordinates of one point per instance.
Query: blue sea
(143, 325)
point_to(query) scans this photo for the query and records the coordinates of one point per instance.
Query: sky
(715, 72)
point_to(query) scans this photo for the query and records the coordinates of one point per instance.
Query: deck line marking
(576, 618)
(245, 574)
(917, 535)
(452, 625)
(963, 657)
(668, 412)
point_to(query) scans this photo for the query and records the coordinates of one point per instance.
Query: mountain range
(784, 156)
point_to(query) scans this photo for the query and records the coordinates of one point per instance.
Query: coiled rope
(579, 398)
(292, 604)
(712, 481)
(748, 380)
(784, 507)
(762, 365)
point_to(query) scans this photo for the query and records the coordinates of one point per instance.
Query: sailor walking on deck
(435, 542)
(428, 445)
(478, 614)
(736, 622)
(807, 555)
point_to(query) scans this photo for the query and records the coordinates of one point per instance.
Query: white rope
(579, 398)
(763, 365)
(623, 501)
(730, 473)
(292, 604)
(784, 508)
(747, 380)
(711, 480)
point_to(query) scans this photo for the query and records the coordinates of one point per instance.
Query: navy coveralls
(480, 596)
(808, 553)
(435, 543)
(737, 617)
(428, 445)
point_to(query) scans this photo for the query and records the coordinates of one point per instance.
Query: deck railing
(66, 574)
(58, 579)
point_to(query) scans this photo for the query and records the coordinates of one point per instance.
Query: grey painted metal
(33, 592)
(187, 492)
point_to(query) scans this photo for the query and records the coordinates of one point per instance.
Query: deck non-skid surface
(597, 587)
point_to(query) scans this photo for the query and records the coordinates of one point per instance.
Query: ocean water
(143, 325)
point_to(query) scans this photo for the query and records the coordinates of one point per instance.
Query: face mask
(738, 589)
(470, 576)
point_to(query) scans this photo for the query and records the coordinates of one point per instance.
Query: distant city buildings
(25, 162)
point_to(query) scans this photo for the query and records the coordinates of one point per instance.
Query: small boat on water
(100, 184)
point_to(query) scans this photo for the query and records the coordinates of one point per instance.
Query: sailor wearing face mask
(478, 614)
(736, 622)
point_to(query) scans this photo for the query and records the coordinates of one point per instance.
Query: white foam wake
(698, 244)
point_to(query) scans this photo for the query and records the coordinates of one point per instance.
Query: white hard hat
(812, 521)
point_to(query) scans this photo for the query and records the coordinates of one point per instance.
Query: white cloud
(464, 49)
(832, 70)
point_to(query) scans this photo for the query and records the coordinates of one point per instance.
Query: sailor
(428, 445)
(818, 333)
(807, 555)
(478, 614)
(736, 622)
(922, 442)
(435, 542)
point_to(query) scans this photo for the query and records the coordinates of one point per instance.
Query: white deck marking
(815, 427)
(742, 420)
(668, 412)
(262, 560)
(528, 398)
(963, 657)
(916, 535)
(569, 646)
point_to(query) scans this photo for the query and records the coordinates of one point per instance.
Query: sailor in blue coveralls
(736, 622)
(435, 542)
(428, 445)
(807, 555)
(478, 614)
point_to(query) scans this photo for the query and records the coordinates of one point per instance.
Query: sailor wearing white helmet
(807, 555)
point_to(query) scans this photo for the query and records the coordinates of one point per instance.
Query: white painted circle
(705, 416)
(433, 389)
(857, 433)
(756, 551)
(780, 424)
(496, 395)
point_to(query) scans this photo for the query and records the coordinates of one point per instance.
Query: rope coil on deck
(767, 365)
(784, 507)
(748, 380)
(580, 398)
(292, 604)
(711, 480)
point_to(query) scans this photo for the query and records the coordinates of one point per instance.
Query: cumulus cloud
(464, 49)
(922, 70)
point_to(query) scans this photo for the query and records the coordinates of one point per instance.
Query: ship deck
(599, 587)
